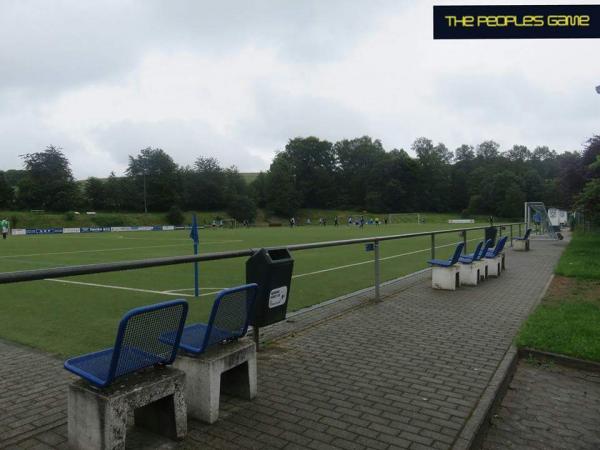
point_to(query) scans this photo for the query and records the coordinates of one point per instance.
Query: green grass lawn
(67, 318)
(581, 259)
(568, 319)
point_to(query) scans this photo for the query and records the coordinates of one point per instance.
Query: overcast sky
(237, 79)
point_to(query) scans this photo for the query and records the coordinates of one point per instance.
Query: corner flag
(194, 230)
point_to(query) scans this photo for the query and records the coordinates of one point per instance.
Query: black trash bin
(490, 233)
(272, 271)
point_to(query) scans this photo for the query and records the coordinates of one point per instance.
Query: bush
(108, 220)
(174, 216)
(69, 216)
(241, 207)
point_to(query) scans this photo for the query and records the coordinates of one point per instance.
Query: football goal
(405, 218)
(536, 218)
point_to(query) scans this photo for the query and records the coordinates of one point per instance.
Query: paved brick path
(404, 373)
(548, 407)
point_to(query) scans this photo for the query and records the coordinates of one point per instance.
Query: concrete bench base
(98, 417)
(521, 245)
(446, 278)
(230, 368)
(495, 266)
(469, 274)
(482, 265)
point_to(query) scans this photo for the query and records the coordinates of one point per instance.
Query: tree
(590, 154)
(258, 190)
(313, 162)
(95, 194)
(512, 203)
(464, 153)
(156, 179)
(282, 196)
(488, 150)
(242, 207)
(6, 192)
(589, 200)
(518, 153)
(48, 182)
(434, 177)
(355, 159)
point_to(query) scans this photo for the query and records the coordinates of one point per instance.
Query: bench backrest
(484, 249)
(457, 252)
(477, 252)
(138, 343)
(500, 246)
(230, 314)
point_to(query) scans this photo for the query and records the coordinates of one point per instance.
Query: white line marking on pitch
(111, 249)
(202, 288)
(371, 261)
(110, 286)
(177, 291)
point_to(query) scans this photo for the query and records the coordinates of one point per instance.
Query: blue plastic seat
(525, 237)
(475, 256)
(228, 320)
(498, 249)
(138, 344)
(478, 256)
(451, 261)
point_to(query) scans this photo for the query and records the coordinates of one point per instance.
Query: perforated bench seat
(137, 345)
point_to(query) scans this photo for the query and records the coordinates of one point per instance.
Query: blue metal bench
(211, 368)
(228, 320)
(498, 249)
(448, 262)
(522, 243)
(525, 236)
(138, 344)
(475, 256)
(445, 272)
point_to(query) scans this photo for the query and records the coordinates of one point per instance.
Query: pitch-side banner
(516, 22)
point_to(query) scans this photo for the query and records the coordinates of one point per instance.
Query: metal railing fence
(69, 271)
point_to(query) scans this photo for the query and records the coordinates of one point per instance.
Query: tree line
(310, 172)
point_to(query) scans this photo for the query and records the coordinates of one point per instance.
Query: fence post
(377, 270)
(464, 241)
(511, 236)
(432, 246)
(520, 230)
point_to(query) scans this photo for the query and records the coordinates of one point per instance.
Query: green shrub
(108, 220)
(175, 216)
(69, 216)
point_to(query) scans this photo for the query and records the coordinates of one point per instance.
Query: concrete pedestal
(230, 367)
(447, 278)
(521, 245)
(469, 274)
(482, 265)
(495, 266)
(97, 418)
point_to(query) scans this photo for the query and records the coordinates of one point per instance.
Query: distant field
(79, 314)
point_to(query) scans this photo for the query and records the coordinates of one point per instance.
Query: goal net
(405, 218)
(536, 218)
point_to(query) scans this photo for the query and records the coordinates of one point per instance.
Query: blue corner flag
(194, 237)
(194, 230)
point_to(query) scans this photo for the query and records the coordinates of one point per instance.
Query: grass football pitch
(80, 314)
